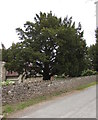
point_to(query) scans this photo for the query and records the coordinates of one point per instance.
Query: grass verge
(86, 86)
(9, 109)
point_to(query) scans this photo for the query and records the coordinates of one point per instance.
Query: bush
(88, 72)
(7, 82)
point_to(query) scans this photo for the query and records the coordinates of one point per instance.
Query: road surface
(79, 104)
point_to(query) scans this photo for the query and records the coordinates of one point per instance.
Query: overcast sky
(14, 13)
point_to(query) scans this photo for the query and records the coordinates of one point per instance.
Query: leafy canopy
(48, 46)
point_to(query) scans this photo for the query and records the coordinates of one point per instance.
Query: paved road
(80, 104)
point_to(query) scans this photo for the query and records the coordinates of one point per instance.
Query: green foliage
(96, 48)
(49, 46)
(72, 51)
(93, 54)
(88, 72)
(8, 82)
(86, 86)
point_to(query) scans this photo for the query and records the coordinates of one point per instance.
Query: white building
(96, 13)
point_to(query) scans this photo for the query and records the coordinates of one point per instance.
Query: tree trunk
(46, 70)
(46, 76)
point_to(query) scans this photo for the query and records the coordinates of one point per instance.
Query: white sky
(14, 14)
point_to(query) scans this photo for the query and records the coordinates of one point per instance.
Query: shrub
(88, 72)
(7, 82)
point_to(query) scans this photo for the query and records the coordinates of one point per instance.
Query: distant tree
(3, 46)
(93, 53)
(96, 45)
(4, 53)
(88, 59)
(10, 58)
(92, 56)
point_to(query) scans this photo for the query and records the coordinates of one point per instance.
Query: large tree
(48, 46)
(40, 38)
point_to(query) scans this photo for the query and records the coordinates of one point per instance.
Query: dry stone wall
(29, 90)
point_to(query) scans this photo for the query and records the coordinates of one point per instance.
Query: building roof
(12, 74)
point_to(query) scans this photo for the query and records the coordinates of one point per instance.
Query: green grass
(8, 82)
(8, 109)
(86, 86)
